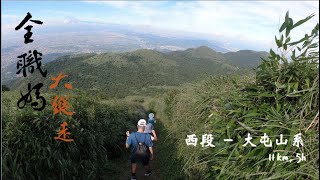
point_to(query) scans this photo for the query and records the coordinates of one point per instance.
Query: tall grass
(30, 151)
(281, 98)
(184, 112)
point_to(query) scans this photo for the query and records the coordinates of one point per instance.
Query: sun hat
(151, 115)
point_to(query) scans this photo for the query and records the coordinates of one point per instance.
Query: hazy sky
(254, 22)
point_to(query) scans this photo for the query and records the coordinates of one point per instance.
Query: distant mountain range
(87, 37)
(139, 72)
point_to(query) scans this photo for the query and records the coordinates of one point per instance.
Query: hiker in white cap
(140, 145)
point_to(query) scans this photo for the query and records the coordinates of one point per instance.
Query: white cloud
(251, 21)
(248, 22)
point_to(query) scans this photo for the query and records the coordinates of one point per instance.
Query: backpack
(141, 149)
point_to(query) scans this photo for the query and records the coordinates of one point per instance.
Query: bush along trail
(30, 151)
(282, 97)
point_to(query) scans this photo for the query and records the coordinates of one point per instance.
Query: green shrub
(282, 99)
(30, 151)
(183, 113)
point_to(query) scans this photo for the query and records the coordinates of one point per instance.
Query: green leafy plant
(30, 151)
(282, 98)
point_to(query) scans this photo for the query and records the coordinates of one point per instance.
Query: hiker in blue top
(140, 145)
(151, 119)
(149, 128)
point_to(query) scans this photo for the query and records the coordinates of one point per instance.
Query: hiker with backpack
(140, 145)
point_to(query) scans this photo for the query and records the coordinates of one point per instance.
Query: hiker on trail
(151, 119)
(140, 145)
(150, 127)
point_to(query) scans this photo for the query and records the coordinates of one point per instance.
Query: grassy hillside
(245, 58)
(202, 52)
(142, 72)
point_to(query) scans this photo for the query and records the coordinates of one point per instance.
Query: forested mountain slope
(141, 72)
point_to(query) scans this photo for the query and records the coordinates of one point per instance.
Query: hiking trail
(126, 174)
